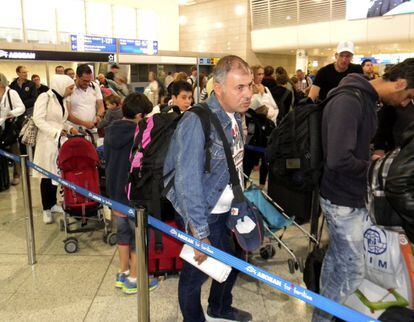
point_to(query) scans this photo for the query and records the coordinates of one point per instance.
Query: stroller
(274, 219)
(78, 162)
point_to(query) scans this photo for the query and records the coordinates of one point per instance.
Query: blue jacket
(119, 137)
(195, 193)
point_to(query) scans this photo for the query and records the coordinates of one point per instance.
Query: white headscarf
(60, 82)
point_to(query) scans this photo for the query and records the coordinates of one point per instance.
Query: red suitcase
(167, 261)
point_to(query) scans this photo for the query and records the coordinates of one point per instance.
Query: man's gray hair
(227, 64)
(3, 80)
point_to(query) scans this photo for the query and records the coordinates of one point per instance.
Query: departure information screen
(136, 46)
(93, 44)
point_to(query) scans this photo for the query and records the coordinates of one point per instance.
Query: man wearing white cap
(329, 76)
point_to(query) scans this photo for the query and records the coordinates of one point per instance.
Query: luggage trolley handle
(82, 133)
(87, 133)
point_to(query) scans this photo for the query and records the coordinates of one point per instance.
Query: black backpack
(259, 128)
(294, 151)
(379, 208)
(399, 186)
(150, 147)
(12, 127)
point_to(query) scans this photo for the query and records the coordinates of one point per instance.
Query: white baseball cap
(345, 46)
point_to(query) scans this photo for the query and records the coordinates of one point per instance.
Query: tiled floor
(79, 287)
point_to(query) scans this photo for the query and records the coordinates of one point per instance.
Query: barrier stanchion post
(27, 198)
(30, 153)
(141, 222)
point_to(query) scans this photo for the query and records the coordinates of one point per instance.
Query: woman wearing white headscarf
(49, 115)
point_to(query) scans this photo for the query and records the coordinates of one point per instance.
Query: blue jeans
(343, 267)
(191, 278)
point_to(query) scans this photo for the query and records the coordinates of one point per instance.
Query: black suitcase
(296, 204)
(4, 174)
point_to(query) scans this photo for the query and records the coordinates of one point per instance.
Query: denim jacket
(195, 193)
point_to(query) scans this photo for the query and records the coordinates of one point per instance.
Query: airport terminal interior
(69, 257)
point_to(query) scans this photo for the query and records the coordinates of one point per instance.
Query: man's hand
(98, 119)
(377, 154)
(200, 257)
(74, 131)
(89, 125)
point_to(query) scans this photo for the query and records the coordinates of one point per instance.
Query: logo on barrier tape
(185, 238)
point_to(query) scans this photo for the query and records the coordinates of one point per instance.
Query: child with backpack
(118, 142)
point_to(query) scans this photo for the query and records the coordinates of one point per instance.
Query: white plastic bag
(383, 258)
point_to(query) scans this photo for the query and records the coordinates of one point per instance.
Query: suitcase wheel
(267, 252)
(291, 265)
(71, 245)
(111, 239)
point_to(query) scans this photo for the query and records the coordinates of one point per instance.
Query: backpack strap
(9, 99)
(234, 178)
(139, 132)
(203, 112)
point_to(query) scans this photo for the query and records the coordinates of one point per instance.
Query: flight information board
(93, 44)
(137, 46)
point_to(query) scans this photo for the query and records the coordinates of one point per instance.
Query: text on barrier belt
(269, 279)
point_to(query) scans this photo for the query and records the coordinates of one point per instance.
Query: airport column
(27, 199)
(302, 60)
(141, 229)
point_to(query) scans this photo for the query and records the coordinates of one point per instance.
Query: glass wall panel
(71, 18)
(40, 20)
(125, 22)
(147, 24)
(10, 21)
(98, 19)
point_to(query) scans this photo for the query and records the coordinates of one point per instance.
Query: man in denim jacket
(202, 199)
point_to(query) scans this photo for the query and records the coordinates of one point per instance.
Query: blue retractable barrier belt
(9, 155)
(254, 148)
(272, 280)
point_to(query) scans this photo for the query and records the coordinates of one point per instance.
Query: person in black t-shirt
(39, 86)
(328, 77)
